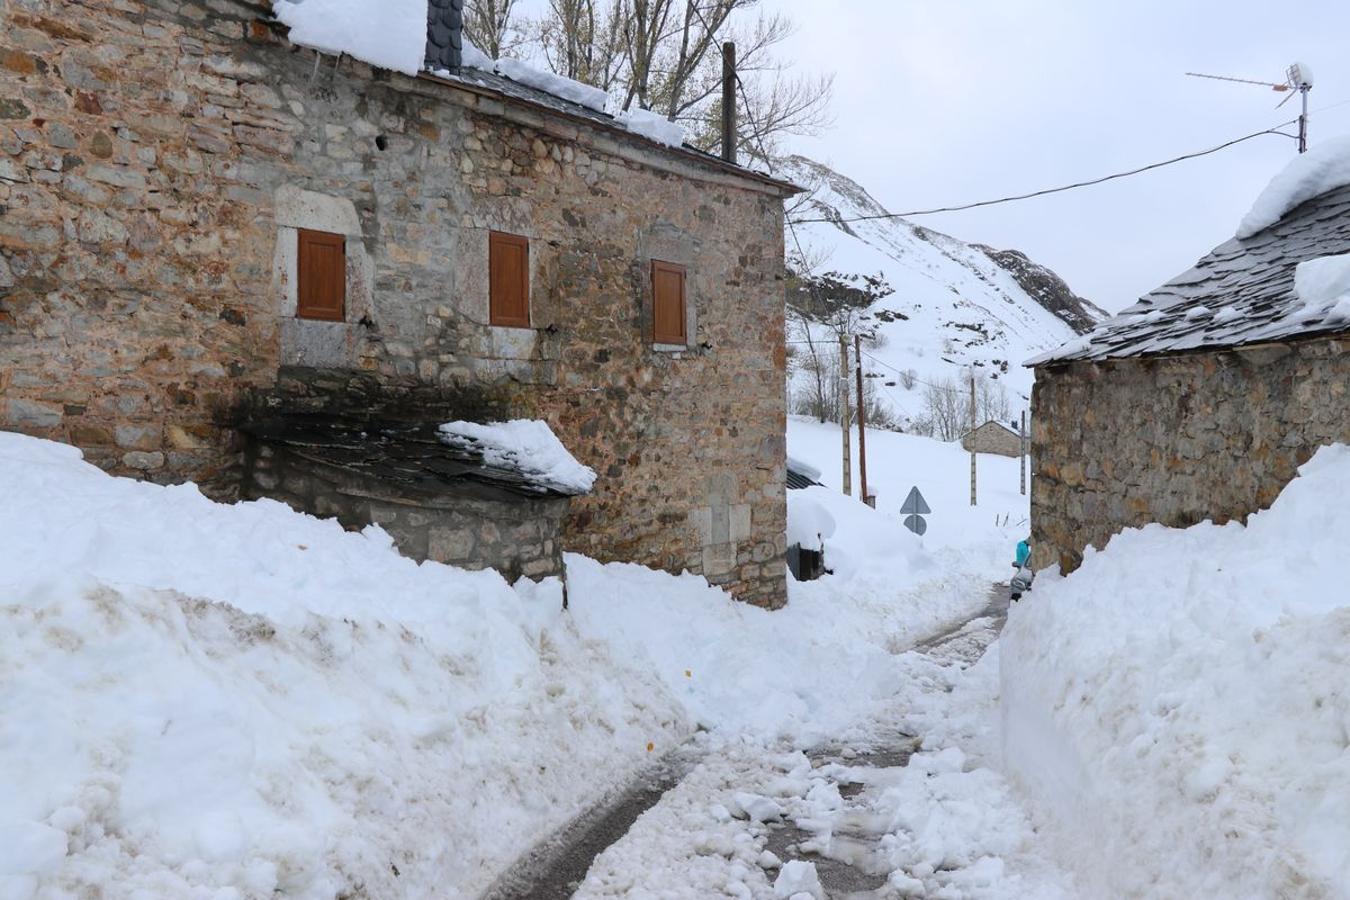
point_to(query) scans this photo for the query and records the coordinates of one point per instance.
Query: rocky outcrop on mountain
(1047, 289)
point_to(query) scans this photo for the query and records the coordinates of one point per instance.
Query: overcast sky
(947, 101)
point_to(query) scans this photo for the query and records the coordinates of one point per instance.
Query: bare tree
(946, 414)
(488, 24)
(665, 55)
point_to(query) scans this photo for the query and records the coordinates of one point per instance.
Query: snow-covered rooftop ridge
(1285, 281)
(392, 34)
(527, 446)
(1323, 168)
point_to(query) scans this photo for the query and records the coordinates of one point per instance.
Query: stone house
(206, 227)
(993, 437)
(1201, 400)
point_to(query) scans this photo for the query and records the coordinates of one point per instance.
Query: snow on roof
(549, 83)
(1246, 290)
(391, 34)
(1323, 168)
(527, 446)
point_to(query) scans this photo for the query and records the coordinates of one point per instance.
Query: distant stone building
(206, 226)
(1201, 400)
(993, 437)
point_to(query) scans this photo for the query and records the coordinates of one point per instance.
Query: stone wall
(1177, 439)
(468, 525)
(156, 159)
(991, 437)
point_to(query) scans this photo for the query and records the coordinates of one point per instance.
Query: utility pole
(1022, 457)
(729, 137)
(844, 418)
(862, 421)
(972, 436)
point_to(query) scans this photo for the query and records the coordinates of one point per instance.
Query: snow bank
(1325, 167)
(1177, 706)
(391, 34)
(207, 700)
(527, 446)
(802, 673)
(652, 126)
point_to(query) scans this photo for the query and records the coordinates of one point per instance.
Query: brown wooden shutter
(668, 311)
(508, 280)
(321, 273)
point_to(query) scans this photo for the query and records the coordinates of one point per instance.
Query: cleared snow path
(901, 805)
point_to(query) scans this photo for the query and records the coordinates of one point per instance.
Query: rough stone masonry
(1177, 439)
(157, 159)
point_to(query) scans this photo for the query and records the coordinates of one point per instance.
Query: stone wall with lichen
(1177, 439)
(156, 159)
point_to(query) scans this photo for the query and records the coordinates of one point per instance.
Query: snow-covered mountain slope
(954, 306)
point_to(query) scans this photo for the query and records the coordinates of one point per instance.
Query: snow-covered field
(1178, 708)
(980, 537)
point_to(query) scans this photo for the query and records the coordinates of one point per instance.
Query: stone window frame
(299, 210)
(318, 342)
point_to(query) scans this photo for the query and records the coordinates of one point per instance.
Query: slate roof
(801, 475)
(505, 87)
(408, 455)
(1242, 292)
(986, 424)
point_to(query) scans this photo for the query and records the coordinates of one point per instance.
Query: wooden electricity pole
(1022, 457)
(972, 437)
(729, 138)
(862, 420)
(845, 424)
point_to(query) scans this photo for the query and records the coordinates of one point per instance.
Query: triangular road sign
(915, 504)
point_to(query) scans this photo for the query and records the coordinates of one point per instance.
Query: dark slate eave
(1254, 275)
(504, 89)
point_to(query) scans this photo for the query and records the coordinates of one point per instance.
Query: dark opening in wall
(381, 141)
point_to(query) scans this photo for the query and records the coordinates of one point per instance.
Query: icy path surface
(905, 804)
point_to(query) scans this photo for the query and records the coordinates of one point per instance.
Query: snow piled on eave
(391, 34)
(527, 446)
(1323, 168)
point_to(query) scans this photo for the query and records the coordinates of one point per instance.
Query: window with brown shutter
(508, 280)
(321, 275)
(668, 304)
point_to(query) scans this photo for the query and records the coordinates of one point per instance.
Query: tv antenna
(1297, 77)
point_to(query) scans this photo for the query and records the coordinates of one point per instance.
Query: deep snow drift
(203, 697)
(200, 696)
(1178, 707)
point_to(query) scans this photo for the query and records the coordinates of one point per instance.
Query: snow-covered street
(901, 804)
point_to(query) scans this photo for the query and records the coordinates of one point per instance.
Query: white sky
(947, 101)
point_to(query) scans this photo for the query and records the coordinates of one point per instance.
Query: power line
(1056, 190)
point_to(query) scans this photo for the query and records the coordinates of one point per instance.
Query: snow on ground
(527, 446)
(203, 698)
(960, 535)
(1177, 707)
(391, 34)
(946, 824)
(213, 697)
(1325, 167)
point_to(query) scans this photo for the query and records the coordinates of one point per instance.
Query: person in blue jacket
(1021, 582)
